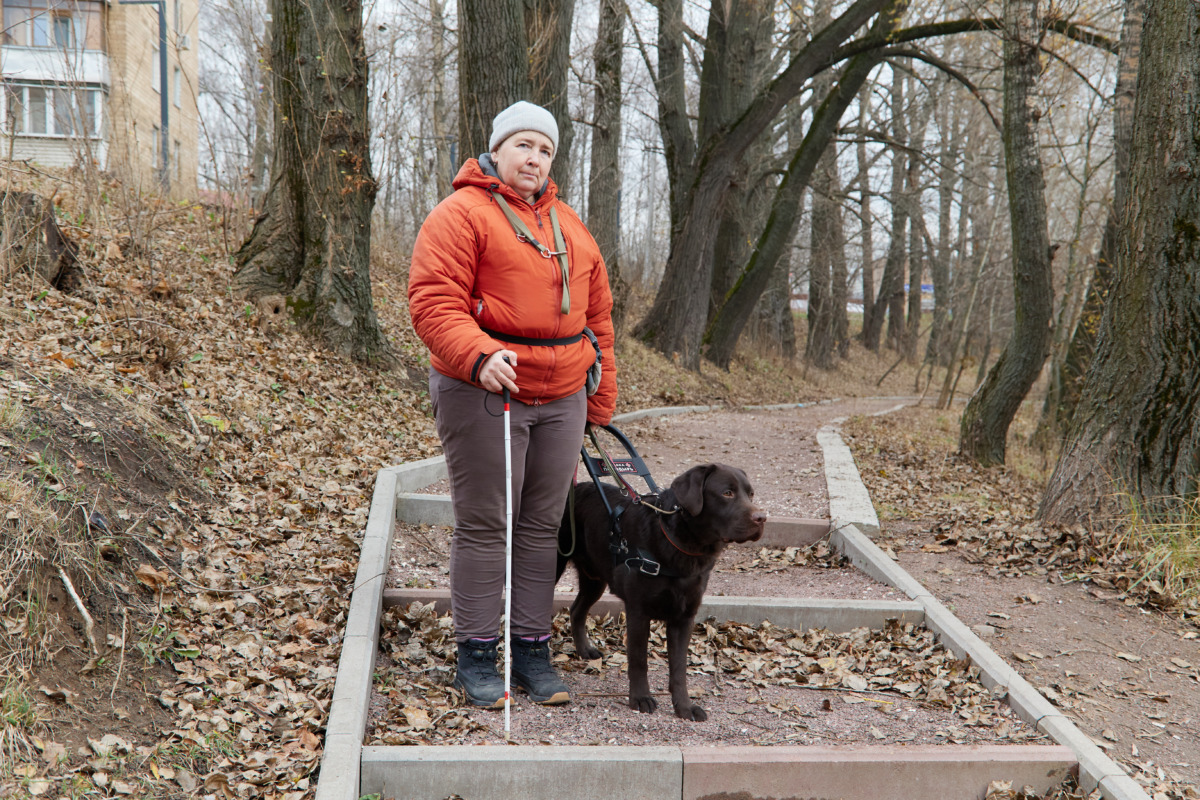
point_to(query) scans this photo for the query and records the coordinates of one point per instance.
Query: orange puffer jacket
(470, 271)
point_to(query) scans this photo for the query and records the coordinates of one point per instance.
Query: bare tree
(312, 243)
(1136, 432)
(985, 421)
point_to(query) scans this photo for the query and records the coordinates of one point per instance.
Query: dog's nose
(759, 517)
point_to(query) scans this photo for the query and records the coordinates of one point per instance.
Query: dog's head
(720, 498)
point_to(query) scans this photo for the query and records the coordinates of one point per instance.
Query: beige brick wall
(134, 105)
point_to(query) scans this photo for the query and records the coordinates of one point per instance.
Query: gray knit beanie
(523, 116)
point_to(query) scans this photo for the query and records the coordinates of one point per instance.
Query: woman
(504, 277)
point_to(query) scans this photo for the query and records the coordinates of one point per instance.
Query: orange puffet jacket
(470, 271)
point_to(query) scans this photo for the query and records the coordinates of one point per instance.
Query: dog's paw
(644, 704)
(693, 713)
(589, 653)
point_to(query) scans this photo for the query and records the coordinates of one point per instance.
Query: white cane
(508, 530)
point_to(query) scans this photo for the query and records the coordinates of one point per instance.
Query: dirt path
(1128, 677)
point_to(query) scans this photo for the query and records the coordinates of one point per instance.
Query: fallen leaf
(1129, 657)
(59, 695)
(417, 717)
(152, 578)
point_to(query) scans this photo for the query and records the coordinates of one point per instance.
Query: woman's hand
(497, 372)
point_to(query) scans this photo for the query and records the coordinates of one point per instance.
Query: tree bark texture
(1083, 341)
(312, 244)
(604, 176)
(675, 324)
(679, 144)
(727, 326)
(890, 301)
(493, 68)
(866, 218)
(990, 411)
(548, 36)
(736, 59)
(1137, 426)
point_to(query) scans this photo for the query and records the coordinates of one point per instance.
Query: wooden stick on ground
(89, 623)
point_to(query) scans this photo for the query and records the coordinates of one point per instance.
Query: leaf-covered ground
(185, 478)
(197, 473)
(1079, 612)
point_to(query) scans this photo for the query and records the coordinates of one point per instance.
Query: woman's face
(523, 162)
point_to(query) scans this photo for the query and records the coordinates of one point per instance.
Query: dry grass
(1168, 548)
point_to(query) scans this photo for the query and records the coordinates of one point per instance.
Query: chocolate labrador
(659, 565)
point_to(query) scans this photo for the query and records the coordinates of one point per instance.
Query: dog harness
(636, 559)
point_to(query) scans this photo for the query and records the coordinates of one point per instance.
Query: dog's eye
(729, 493)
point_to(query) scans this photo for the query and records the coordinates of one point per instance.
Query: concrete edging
(838, 616)
(346, 726)
(1096, 770)
(346, 763)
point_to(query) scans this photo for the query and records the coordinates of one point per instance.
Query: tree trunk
(548, 36)
(736, 59)
(725, 329)
(920, 113)
(679, 145)
(985, 421)
(312, 244)
(1083, 341)
(819, 348)
(675, 322)
(772, 325)
(493, 69)
(890, 302)
(866, 218)
(445, 169)
(1136, 431)
(950, 121)
(259, 176)
(604, 176)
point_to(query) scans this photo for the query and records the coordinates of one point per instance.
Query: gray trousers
(545, 449)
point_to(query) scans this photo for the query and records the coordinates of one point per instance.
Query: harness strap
(522, 231)
(528, 340)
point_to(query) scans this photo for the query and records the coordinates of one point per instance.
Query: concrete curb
(523, 772)
(838, 616)
(869, 773)
(1096, 770)
(491, 772)
(849, 503)
(347, 723)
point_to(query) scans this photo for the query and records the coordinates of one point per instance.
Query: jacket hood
(481, 172)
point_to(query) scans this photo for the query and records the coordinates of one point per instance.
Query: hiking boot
(477, 676)
(532, 672)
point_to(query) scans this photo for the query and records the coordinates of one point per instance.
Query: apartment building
(82, 82)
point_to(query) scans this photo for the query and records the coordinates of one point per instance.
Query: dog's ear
(689, 488)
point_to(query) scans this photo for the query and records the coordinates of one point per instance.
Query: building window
(178, 17)
(175, 90)
(155, 76)
(156, 135)
(53, 23)
(52, 110)
(64, 31)
(178, 163)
